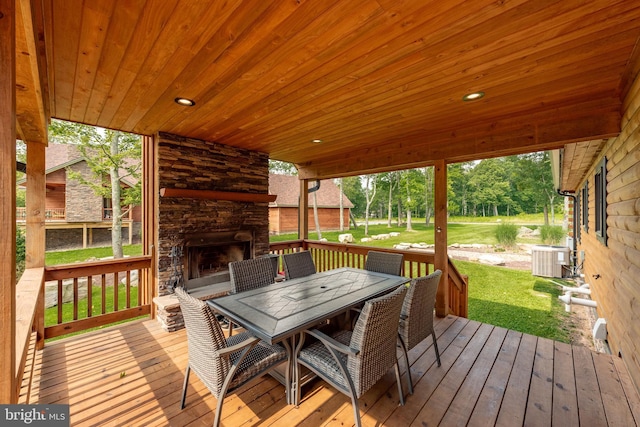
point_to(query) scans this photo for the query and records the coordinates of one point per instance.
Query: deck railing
(416, 263)
(49, 214)
(99, 293)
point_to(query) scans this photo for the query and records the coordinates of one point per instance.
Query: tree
(341, 204)
(390, 182)
(490, 184)
(536, 178)
(370, 193)
(283, 168)
(428, 194)
(112, 157)
(352, 187)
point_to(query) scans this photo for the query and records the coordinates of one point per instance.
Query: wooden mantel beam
(217, 195)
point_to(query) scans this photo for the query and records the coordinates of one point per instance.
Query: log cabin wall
(613, 269)
(194, 164)
(285, 219)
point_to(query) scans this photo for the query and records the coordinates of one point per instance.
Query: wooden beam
(303, 210)
(496, 139)
(217, 195)
(148, 287)
(35, 230)
(36, 193)
(440, 230)
(32, 109)
(9, 383)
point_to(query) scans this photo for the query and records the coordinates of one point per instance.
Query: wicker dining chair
(384, 262)
(354, 361)
(250, 274)
(298, 264)
(223, 365)
(416, 319)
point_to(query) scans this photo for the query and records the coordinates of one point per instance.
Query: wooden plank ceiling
(380, 82)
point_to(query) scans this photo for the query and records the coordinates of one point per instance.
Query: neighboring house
(283, 213)
(75, 216)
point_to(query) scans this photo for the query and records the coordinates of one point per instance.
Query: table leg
(288, 379)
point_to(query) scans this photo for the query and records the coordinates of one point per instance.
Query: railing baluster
(128, 289)
(60, 301)
(89, 296)
(115, 291)
(75, 298)
(104, 294)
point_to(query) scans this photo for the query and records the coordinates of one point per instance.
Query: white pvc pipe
(584, 290)
(567, 299)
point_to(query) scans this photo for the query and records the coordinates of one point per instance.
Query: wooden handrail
(29, 306)
(69, 271)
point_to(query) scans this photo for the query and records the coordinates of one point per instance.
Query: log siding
(612, 253)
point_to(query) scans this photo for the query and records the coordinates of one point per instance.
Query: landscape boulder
(345, 238)
(491, 260)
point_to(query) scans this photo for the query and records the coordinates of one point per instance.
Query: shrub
(551, 234)
(506, 234)
(20, 252)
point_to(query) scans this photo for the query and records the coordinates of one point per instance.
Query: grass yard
(515, 300)
(83, 255)
(456, 233)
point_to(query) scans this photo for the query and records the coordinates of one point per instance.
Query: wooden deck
(131, 375)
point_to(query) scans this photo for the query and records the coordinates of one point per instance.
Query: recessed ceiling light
(185, 101)
(316, 141)
(473, 96)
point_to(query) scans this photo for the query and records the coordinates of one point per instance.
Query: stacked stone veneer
(203, 165)
(82, 204)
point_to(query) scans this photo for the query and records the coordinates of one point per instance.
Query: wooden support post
(440, 227)
(35, 225)
(148, 286)
(303, 210)
(36, 193)
(8, 380)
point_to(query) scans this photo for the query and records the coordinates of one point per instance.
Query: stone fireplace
(210, 233)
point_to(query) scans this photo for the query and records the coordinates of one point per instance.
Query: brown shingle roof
(60, 154)
(287, 188)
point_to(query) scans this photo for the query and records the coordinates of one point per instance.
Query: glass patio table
(278, 313)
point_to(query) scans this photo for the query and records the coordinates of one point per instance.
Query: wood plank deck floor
(131, 375)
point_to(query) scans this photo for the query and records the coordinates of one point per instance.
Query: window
(600, 186)
(585, 207)
(576, 223)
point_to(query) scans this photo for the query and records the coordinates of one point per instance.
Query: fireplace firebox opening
(207, 256)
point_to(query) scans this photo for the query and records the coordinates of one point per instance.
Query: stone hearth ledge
(168, 307)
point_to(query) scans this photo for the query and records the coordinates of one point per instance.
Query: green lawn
(483, 233)
(515, 300)
(83, 255)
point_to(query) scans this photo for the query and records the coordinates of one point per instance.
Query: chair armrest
(246, 343)
(332, 343)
